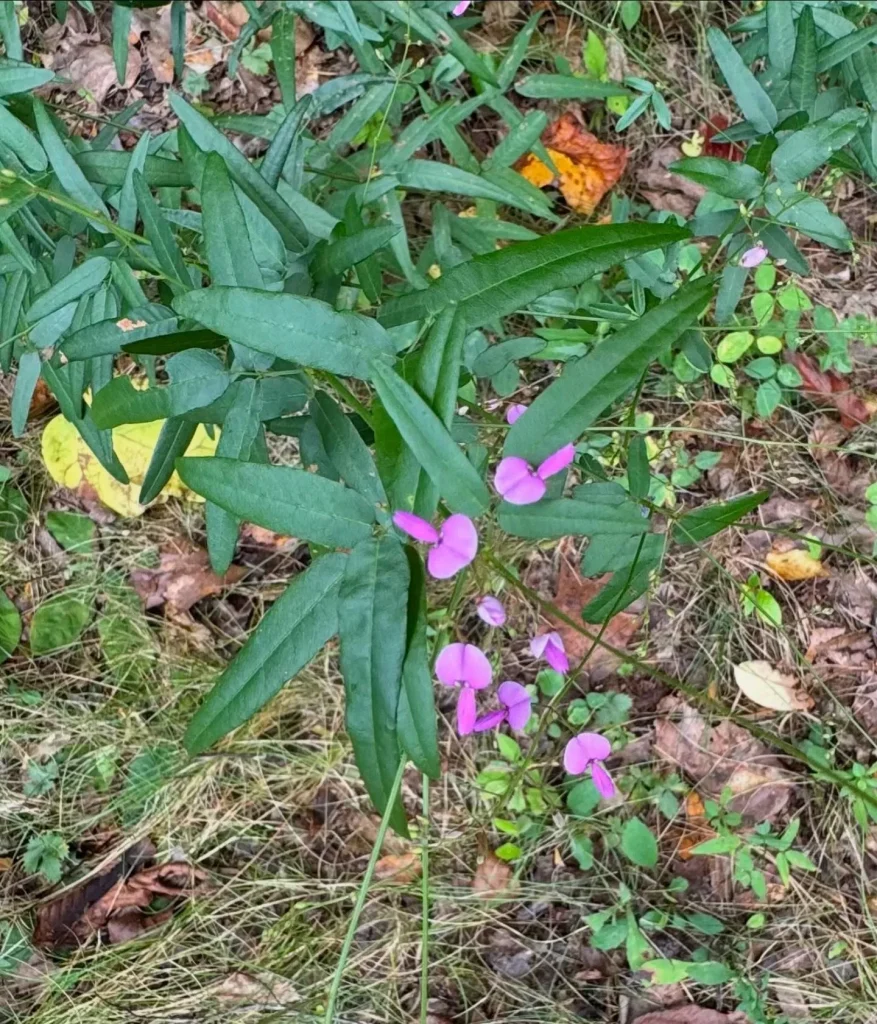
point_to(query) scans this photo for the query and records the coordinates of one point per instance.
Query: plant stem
(424, 905)
(362, 894)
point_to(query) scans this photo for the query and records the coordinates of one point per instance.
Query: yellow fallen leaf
(796, 564)
(769, 688)
(694, 145)
(71, 463)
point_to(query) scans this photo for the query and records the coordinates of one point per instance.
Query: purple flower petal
(602, 780)
(583, 749)
(517, 483)
(463, 663)
(538, 644)
(555, 655)
(416, 527)
(514, 413)
(518, 701)
(461, 8)
(466, 711)
(752, 257)
(490, 610)
(489, 721)
(457, 546)
(556, 462)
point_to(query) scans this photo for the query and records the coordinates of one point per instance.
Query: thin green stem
(362, 894)
(424, 905)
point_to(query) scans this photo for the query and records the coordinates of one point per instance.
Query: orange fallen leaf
(796, 564)
(830, 388)
(492, 876)
(398, 869)
(586, 168)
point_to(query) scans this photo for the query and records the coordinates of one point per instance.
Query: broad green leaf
(240, 430)
(639, 844)
(626, 586)
(282, 499)
(291, 127)
(865, 70)
(588, 386)
(10, 629)
(756, 105)
(58, 623)
(281, 395)
(294, 629)
(49, 329)
(72, 530)
(299, 329)
(711, 519)
(615, 552)
(162, 239)
(346, 449)
(810, 147)
(111, 167)
(780, 38)
(25, 382)
(802, 75)
(568, 87)
(175, 437)
(560, 517)
(333, 258)
(798, 209)
(453, 474)
(416, 717)
(83, 279)
(208, 139)
(19, 76)
(841, 49)
(21, 141)
(734, 345)
(196, 379)
(69, 175)
(507, 280)
(767, 397)
(127, 198)
(724, 177)
(107, 337)
(372, 616)
(731, 286)
(13, 299)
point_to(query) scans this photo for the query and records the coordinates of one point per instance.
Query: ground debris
(182, 578)
(691, 1014)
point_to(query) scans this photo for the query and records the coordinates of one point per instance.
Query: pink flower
(516, 710)
(520, 484)
(587, 751)
(752, 257)
(466, 666)
(451, 547)
(514, 413)
(461, 8)
(550, 646)
(490, 610)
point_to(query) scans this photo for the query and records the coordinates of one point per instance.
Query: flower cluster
(452, 546)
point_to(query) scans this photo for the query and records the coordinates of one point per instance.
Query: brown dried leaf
(183, 577)
(401, 869)
(262, 991)
(492, 876)
(665, 190)
(93, 69)
(691, 1014)
(825, 638)
(830, 388)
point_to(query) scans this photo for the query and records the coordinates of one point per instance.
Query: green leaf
(588, 386)
(197, 379)
(25, 382)
(415, 716)
(107, 338)
(73, 531)
(146, 775)
(780, 38)
(497, 357)
(638, 844)
(734, 345)
(347, 451)
(709, 972)
(283, 54)
(609, 553)
(127, 218)
(299, 329)
(711, 519)
(521, 138)
(638, 472)
(756, 105)
(175, 437)
(372, 608)
(705, 923)
(120, 28)
(731, 288)
(294, 629)
(724, 177)
(721, 844)
(333, 258)
(282, 499)
(802, 75)
(559, 517)
(45, 855)
(432, 176)
(838, 51)
(627, 584)
(51, 328)
(21, 141)
(10, 628)
(507, 280)
(162, 239)
(70, 177)
(630, 13)
(810, 147)
(583, 799)
(112, 167)
(11, 33)
(83, 279)
(208, 139)
(767, 397)
(18, 76)
(455, 477)
(58, 623)
(568, 87)
(290, 129)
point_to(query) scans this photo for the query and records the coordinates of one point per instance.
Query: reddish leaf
(831, 389)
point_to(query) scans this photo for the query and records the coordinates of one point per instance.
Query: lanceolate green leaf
(83, 279)
(454, 475)
(18, 76)
(158, 231)
(810, 147)
(502, 282)
(372, 607)
(175, 437)
(303, 330)
(704, 522)
(346, 449)
(287, 133)
(756, 105)
(21, 141)
(127, 197)
(110, 167)
(843, 48)
(568, 87)
(294, 629)
(780, 37)
(560, 517)
(25, 382)
(416, 718)
(107, 337)
(72, 179)
(282, 499)
(725, 177)
(587, 387)
(802, 76)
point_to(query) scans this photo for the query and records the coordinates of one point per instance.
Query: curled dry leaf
(492, 876)
(399, 869)
(768, 688)
(587, 168)
(665, 190)
(795, 564)
(182, 578)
